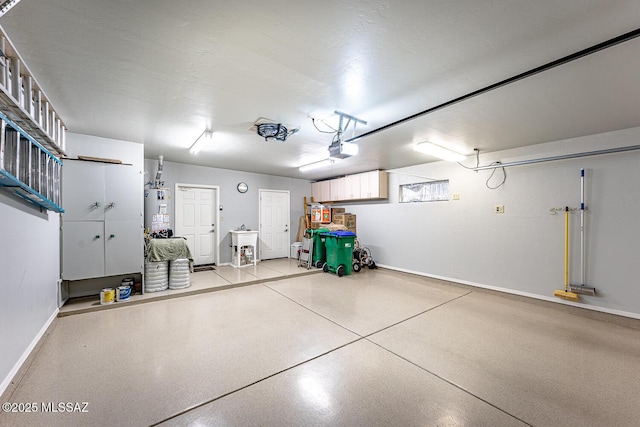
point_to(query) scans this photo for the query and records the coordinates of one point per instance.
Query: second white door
(274, 224)
(196, 221)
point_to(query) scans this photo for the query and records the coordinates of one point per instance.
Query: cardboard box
(336, 211)
(315, 225)
(346, 219)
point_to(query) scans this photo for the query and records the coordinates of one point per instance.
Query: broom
(571, 296)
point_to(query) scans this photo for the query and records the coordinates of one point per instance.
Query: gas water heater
(157, 205)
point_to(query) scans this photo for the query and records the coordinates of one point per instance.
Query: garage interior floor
(221, 277)
(374, 348)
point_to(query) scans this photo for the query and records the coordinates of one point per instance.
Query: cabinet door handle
(112, 236)
(111, 205)
(97, 236)
(94, 205)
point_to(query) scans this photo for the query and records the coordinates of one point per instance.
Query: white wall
(522, 250)
(238, 208)
(29, 270)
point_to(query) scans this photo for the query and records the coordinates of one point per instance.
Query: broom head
(571, 296)
(581, 289)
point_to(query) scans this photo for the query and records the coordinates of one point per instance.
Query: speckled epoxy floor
(222, 277)
(373, 348)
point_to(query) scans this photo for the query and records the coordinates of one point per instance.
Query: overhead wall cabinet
(374, 185)
(321, 190)
(337, 189)
(362, 186)
(102, 231)
(32, 136)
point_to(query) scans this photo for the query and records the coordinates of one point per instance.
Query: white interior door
(274, 224)
(196, 219)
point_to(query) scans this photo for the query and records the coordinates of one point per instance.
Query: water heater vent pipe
(158, 183)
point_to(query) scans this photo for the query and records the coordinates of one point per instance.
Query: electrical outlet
(455, 196)
(499, 209)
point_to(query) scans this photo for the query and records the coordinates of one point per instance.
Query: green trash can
(319, 250)
(339, 245)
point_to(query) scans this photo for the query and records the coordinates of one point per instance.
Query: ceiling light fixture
(316, 165)
(439, 152)
(206, 136)
(276, 131)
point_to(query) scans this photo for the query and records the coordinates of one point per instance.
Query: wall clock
(242, 187)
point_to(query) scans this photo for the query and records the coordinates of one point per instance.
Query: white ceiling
(160, 72)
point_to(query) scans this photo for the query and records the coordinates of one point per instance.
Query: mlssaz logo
(65, 407)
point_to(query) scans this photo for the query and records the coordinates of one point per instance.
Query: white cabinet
(83, 191)
(82, 249)
(337, 189)
(352, 187)
(321, 191)
(102, 228)
(374, 185)
(361, 186)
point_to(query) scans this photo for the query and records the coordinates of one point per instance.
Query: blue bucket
(123, 293)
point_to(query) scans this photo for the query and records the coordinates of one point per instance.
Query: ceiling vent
(270, 130)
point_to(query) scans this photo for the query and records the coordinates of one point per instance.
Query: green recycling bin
(339, 245)
(319, 250)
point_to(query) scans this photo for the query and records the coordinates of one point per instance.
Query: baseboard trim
(8, 381)
(583, 306)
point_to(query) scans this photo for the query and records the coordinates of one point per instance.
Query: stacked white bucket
(163, 275)
(179, 274)
(156, 276)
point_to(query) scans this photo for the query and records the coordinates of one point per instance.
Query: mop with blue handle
(581, 288)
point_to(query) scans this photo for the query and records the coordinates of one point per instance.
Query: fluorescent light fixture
(201, 141)
(316, 165)
(438, 151)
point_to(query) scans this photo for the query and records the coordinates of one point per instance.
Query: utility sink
(239, 240)
(244, 237)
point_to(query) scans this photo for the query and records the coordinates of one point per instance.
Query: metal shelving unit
(24, 102)
(32, 135)
(27, 168)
